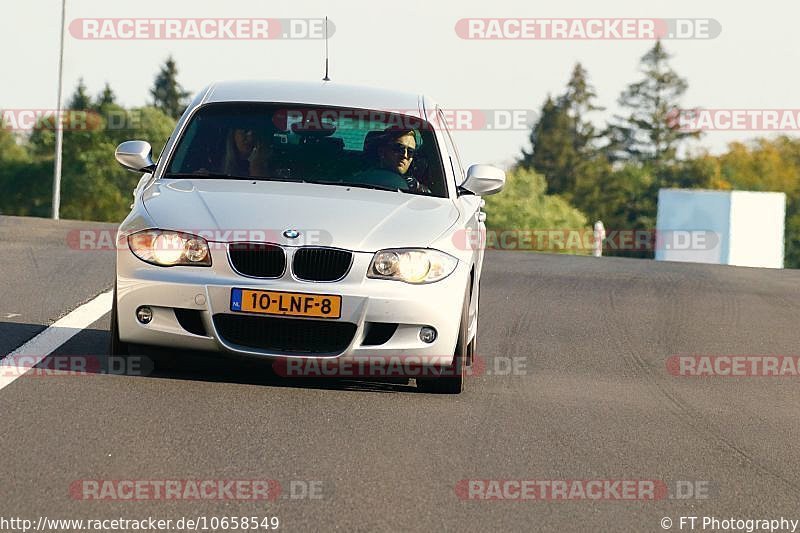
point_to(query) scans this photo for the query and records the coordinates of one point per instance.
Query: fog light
(427, 334)
(144, 315)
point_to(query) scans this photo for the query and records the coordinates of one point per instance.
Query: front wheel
(453, 380)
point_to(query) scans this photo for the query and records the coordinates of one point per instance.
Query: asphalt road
(591, 399)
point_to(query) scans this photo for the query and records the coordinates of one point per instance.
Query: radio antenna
(326, 78)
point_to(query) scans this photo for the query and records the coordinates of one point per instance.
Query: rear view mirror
(484, 179)
(136, 156)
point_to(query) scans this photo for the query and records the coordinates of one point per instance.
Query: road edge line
(38, 348)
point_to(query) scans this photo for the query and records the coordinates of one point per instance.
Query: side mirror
(136, 156)
(484, 179)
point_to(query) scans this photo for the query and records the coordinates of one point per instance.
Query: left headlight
(412, 265)
(170, 248)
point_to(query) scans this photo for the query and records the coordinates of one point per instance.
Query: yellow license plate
(286, 303)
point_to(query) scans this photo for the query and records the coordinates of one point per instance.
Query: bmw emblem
(291, 234)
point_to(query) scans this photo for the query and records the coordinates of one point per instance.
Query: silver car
(306, 224)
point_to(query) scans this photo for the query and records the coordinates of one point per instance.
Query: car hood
(329, 215)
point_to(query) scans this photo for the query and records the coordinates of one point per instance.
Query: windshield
(329, 145)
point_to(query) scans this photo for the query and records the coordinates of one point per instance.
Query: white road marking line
(12, 315)
(46, 342)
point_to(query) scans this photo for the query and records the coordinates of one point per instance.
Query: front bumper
(207, 291)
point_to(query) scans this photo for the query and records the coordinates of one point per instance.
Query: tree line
(94, 186)
(613, 173)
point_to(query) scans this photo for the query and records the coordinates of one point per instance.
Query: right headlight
(412, 265)
(170, 248)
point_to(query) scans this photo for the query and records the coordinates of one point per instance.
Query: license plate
(286, 303)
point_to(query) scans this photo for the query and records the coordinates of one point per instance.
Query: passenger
(246, 154)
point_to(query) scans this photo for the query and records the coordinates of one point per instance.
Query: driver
(396, 149)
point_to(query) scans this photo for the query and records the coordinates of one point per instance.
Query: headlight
(412, 265)
(169, 248)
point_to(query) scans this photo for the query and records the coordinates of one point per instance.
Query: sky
(414, 46)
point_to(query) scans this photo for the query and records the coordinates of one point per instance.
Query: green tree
(554, 154)
(80, 99)
(10, 148)
(94, 186)
(524, 205)
(578, 100)
(21, 192)
(626, 200)
(14, 162)
(167, 93)
(647, 133)
(106, 98)
(564, 139)
(591, 165)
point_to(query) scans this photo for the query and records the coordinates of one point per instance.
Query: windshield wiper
(360, 185)
(213, 175)
(218, 175)
(278, 178)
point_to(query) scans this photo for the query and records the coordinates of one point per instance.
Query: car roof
(317, 93)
